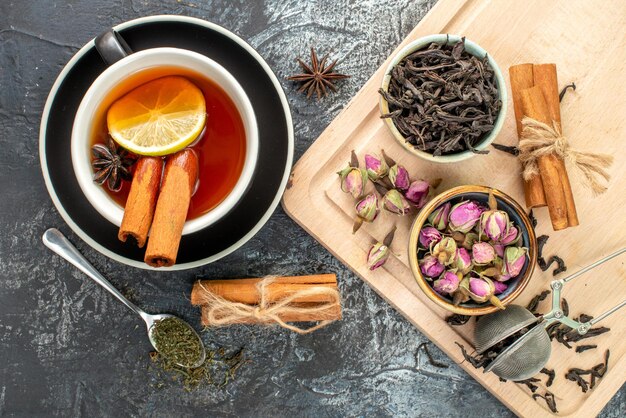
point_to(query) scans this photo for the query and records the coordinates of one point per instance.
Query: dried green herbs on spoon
(177, 341)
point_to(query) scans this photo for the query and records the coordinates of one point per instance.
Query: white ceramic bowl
(172, 59)
(473, 49)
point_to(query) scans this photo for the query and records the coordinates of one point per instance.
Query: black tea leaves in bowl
(442, 99)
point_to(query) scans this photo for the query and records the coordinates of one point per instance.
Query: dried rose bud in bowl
(472, 250)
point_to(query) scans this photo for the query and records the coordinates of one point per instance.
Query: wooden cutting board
(587, 41)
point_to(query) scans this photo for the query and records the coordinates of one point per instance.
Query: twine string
(539, 139)
(219, 311)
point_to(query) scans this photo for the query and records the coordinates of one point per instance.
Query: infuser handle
(607, 313)
(556, 314)
(592, 266)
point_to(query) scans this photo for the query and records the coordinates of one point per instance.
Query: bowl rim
(419, 222)
(143, 60)
(502, 90)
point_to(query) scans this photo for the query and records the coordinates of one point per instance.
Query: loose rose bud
(439, 217)
(419, 193)
(447, 284)
(444, 250)
(463, 261)
(430, 266)
(376, 167)
(377, 256)
(469, 240)
(429, 235)
(379, 253)
(367, 208)
(512, 237)
(399, 177)
(394, 202)
(494, 224)
(499, 287)
(514, 260)
(353, 180)
(483, 253)
(366, 211)
(464, 216)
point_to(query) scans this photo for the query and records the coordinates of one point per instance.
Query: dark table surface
(68, 349)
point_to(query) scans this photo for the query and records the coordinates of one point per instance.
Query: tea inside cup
(227, 148)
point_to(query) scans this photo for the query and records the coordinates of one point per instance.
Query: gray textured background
(68, 349)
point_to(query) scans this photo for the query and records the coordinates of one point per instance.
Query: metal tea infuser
(56, 241)
(530, 352)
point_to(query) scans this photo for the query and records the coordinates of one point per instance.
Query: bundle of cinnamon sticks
(535, 95)
(309, 298)
(158, 203)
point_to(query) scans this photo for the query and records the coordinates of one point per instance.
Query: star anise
(317, 77)
(112, 164)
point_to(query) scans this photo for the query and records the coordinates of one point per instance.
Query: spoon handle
(56, 241)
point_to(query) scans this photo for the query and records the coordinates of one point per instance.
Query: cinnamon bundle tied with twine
(539, 139)
(271, 300)
(543, 150)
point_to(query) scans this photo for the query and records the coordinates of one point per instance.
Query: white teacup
(98, 97)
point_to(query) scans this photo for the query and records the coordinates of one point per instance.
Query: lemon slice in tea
(159, 117)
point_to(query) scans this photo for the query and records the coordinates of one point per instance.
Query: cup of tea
(227, 148)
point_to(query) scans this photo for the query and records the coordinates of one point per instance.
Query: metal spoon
(56, 241)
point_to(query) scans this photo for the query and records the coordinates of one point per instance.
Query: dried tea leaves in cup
(443, 99)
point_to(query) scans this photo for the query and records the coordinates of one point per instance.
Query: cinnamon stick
(544, 77)
(179, 180)
(522, 78)
(141, 202)
(535, 107)
(245, 290)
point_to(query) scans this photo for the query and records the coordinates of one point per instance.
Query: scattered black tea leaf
(541, 242)
(583, 348)
(533, 220)
(584, 318)
(506, 148)
(474, 361)
(596, 372)
(550, 373)
(552, 329)
(561, 265)
(564, 90)
(575, 375)
(605, 367)
(541, 261)
(458, 319)
(534, 302)
(565, 307)
(550, 401)
(442, 99)
(431, 359)
(573, 336)
(502, 379)
(530, 383)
